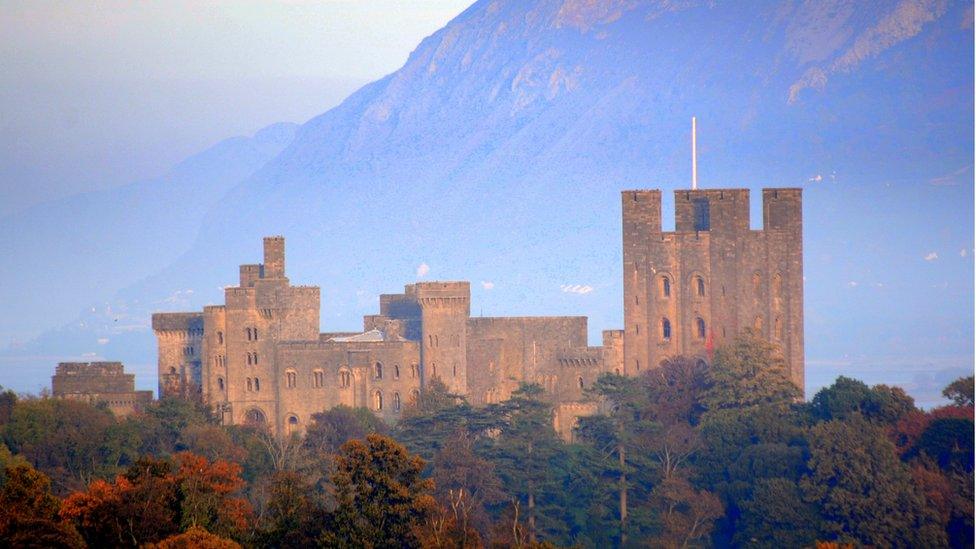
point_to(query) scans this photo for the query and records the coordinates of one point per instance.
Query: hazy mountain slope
(116, 236)
(498, 151)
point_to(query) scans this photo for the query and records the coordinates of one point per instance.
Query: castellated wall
(99, 383)
(180, 340)
(260, 358)
(689, 291)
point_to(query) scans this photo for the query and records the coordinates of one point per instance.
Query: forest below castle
(684, 455)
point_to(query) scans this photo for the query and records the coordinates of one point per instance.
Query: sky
(98, 93)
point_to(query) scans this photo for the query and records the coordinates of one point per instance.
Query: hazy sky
(98, 93)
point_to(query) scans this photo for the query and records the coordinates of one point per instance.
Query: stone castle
(260, 357)
(99, 383)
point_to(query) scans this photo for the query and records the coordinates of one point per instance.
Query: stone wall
(99, 383)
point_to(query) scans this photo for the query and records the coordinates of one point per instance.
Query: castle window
(318, 378)
(579, 382)
(700, 325)
(437, 341)
(254, 417)
(172, 371)
(454, 369)
(665, 286)
(777, 284)
(257, 384)
(433, 370)
(700, 284)
(292, 424)
(255, 334)
(430, 340)
(778, 328)
(220, 383)
(249, 359)
(396, 371)
(220, 338)
(637, 364)
(255, 358)
(250, 385)
(415, 396)
(702, 221)
(378, 371)
(290, 379)
(344, 378)
(249, 333)
(413, 371)
(666, 329)
(378, 400)
(396, 402)
(637, 329)
(758, 324)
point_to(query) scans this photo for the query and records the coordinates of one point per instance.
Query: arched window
(637, 329)
(344, 378)
(413, 371)
(255, 334)
(172, 370)
(249, 359)
(290, 379)
(396, 371)
(396, 402)
(437, 341)
(292, 424)
(255, 358)
(430, 340)
(700, 326)
(616, 371)
(777, 284)
(378, 371)
(700, 286)
(318, 378)
(454, 369)
(220, 338)
(579, 382)
(665, 286)
(220, 383)
(778, 328)
(758, 324)
(254, 417)
(250, 385)
(637, 364)
(257, 385)
(415, 395)
(433, 370)
(665, 328)
(249, 333)
(378, 400)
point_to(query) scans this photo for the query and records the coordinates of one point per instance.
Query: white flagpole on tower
(694, 156)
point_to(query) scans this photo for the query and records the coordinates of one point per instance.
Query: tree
(865, 493)
(749, 371)
(29, 512)
(960, 391)
(8, 399)
(294, 512)
(381, 498)
(70, 441)
(465, 485)
(847, 396)
(775, 515)
(330, 429)
(686, 515)
(195, 538)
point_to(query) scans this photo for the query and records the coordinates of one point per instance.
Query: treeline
(685, 455)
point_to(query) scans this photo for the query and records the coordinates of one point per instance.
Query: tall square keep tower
(688, 291)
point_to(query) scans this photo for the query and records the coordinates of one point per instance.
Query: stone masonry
(103, 383)
(260, 357)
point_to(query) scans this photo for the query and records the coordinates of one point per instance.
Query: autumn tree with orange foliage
(156, 499)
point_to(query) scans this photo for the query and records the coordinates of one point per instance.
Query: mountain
(76, 253)
(497, 153)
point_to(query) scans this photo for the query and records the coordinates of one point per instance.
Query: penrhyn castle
(260, 358)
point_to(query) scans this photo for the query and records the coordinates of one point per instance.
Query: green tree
(381, 497)
(865, 493)
(960, 391)
(775, 515)
(29, 512)
(329, 430)
(466, 484)
(848, 396)
(294, 514)
(749, 371)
